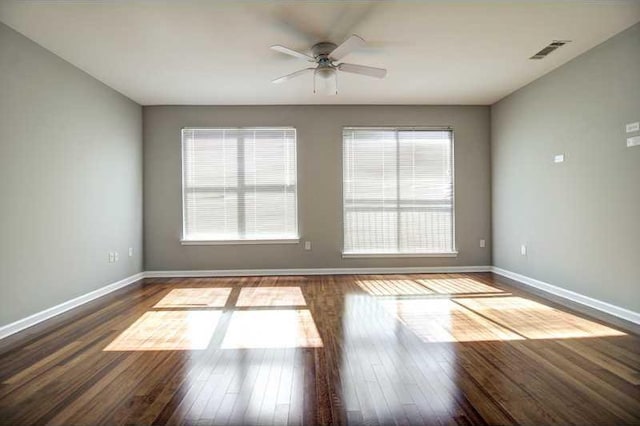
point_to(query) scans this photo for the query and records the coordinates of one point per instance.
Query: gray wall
(70, 180)
(580, 219)
(319, 131)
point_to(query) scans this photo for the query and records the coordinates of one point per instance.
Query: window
(398, 192)
(239, 185)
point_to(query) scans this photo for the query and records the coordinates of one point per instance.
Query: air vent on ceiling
(550, 48)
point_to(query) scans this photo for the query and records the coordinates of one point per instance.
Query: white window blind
(398, 191)
(239, 184)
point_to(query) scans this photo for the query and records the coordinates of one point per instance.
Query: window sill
(365, 255)
(237, 242)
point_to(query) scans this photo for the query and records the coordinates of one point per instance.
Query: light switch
(634, 141)
(482, 243)
(559, 158)
(307, 245)
(523, 250)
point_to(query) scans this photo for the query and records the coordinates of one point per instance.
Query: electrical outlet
(523, 250)
(482, 243)
(307, 245)
(130, 251)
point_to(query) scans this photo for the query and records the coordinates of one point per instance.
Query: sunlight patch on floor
(270, 296)
(393, 287)
(535, 320)
(272, 329)
(469, 319)
(458, 286)
(442, 320)
(195, 297)
(168, 331)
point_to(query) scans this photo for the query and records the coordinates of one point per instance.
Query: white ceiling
(215, 52)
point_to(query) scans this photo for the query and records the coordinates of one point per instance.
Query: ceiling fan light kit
(325, 81)
(326, 56)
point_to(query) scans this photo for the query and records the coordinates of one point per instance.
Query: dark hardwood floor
(392, 349)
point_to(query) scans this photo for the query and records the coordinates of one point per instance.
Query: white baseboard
(14, 327)
(315, 271)
(572, 296)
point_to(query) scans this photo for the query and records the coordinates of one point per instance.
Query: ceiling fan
(326, 56)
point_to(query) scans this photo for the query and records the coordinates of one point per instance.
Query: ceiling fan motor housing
(321, 53)
(321, 50)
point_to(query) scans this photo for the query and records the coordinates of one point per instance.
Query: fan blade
(349, 45)
(364, 70)
(292, 52)
(292, 75)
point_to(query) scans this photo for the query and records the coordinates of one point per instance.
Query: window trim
(195, 242)
(454, 249)
(355, 255)
(236, 242)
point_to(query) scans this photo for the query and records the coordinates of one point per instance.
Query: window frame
(249, 241)
(454, 248)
